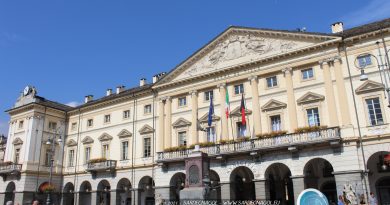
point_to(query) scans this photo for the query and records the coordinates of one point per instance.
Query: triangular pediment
(71, 143)
(369, 86)
(205, 118)
(273, 105)
(310, 97)
(146, 129)
(17, 141)
(237, 112)
(238, 45)
(181, 122)
(124, 133)
(105, 137)
(87, 140)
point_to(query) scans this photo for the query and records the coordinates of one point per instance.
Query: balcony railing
(6, 169)
(258, 144)
(101, 166)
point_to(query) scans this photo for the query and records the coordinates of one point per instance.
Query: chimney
(88, 98)
(337, 27)
(155, 78)
(158, 77)
(119, 89)
(109, 92)
(142, 82)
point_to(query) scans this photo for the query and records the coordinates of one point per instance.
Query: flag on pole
(227, 104)
(242, 108)
(211, 112)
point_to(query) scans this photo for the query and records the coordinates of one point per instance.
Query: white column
(256, 105)
(168, 123)
(194, 122)
(291, 105)
(341, 91)
(331, 102)
(224, 129)
(160, 135)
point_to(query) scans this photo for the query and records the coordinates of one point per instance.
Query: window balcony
(10, 168)
(328, 136)
(101, 165)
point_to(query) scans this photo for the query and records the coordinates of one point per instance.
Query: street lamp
(52, 143)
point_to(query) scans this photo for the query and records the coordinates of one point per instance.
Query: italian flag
(227, 104)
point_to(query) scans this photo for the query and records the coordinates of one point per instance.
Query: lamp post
(52, 143)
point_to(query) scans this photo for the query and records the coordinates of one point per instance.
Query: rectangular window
(211, 136)
(126, 114)
(90, 123)
(125, 150)
(313, 117)
(374, 111)
(272, 82)
(182, 138)
(87, 156)
(47, 157)
(208, 95)
(307, 73)
(241, 130)
(71, 158)
(239, 89)
(52, 125)
(74, 126)
(148, 109)
(107, 118)
(105, 151)
(147, 147)
(364, 61)
(182, 101)
(17, 155)
(276, 123)
(21, 122)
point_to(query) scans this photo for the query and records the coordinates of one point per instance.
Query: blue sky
(71, 48)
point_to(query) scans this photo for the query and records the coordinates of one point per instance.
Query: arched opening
(379, 176)
(9, 192)
(242, 186)
(279, 185)
(85, 193)
(123, 192)
(176, 185)
(68, 194)
(318, 175)
(103, 194)
(43, 191)
(215, 194)
(146, 191)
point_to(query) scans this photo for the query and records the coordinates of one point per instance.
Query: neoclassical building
(316, 116)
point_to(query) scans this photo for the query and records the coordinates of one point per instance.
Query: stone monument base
(192, 193)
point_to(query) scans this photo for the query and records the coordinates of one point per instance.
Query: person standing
(341, 200)
(372, 199)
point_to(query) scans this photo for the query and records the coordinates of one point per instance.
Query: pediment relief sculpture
(146, 129)
(236, 112)
(310, 97)
(205, 118)
(17, 141)
(124, 133)
(105, 137)
(369, 86)
(71, 143)
(181, 122)
(87, 140)
(273, 105)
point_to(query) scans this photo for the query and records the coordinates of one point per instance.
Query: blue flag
(211, 112)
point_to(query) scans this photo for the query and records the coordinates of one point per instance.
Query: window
(272, 82)
(17, 156)
(307, 73)
(148, 109)
(71, 158)
(74, 126)
(87, 155)
(241, 130)
(147, 147)
(364, 61)
(208, 95)
(90, 123)
(52, 125)
(182, 138)
(211, 136)
(21, 122)
(105, 151)
(107, 118)
(374, 111)
(182, 101)
(276, 123)
(126, 114)
(239, 89)
(125, 150)
(313, 117)
(47, 157)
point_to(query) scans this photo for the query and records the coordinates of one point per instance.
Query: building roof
(366, 28)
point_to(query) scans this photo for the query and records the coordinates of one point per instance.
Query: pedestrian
(372, 199)
(362, 201)
(9, 203)
(35, 202)
(341, 200)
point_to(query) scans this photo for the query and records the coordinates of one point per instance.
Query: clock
(26, 90)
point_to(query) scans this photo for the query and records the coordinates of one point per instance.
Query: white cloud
(73, 104)
(374, 10)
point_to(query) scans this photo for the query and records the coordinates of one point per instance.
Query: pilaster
(341, 91)
(330, 99)
(194, 120)
(168, 123)
(256, 104)
(298, 185)
(291, 105)
(222, 92)
(160, 137)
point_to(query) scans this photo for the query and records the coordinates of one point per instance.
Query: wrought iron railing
(105, 165)
(322, 135)
(10, 168)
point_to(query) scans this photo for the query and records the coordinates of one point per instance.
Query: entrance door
(383, 190)
(149, 201)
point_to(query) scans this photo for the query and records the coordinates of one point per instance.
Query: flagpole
(249, 126)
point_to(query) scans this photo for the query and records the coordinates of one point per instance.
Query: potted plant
(97, 160)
